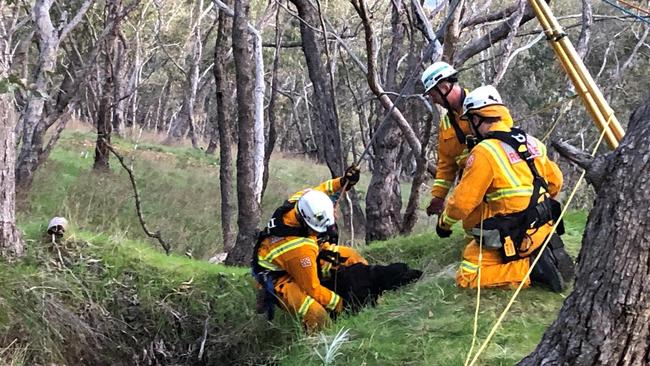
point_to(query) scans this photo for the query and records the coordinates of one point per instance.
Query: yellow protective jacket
(495, 174)
(452, 154)
(298, 255)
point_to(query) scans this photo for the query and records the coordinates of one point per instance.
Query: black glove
(442, 232)
(351, 176)
(436, 206)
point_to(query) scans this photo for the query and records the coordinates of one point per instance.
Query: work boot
(546, 272)
(564, 261)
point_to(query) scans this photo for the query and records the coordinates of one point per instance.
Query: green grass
(102, 299)
(431, 321)
(115, 296)
(179, 188)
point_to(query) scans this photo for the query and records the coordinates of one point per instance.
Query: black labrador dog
(360, 285)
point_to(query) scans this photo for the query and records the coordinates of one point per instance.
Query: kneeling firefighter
(510, 182)
(288, 257)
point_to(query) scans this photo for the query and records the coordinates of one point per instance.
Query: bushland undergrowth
(105, 296)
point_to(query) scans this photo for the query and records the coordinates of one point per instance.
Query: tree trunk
(248, 210)
(605, 320)
(107, 101)
(384, 198)
(35, 122)
(225, 132)
(411, 212)
(272, 135)
(11, 244)
(163, 100)
(185, 118)
(119, 88)
(103, 124)
(33, 129)
(330, 143)
(329, 131)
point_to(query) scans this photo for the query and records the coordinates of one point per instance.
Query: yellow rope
(521, 285)
(478, 289)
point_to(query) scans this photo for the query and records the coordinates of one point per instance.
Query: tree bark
(605, 320)
(11, 243)
(33, 130)
(411, 211)
(248, 209)
(107, 101)
(585, 31)
(330, 142)
(258, 104)
(384, 198)
(185, 117)
(272, 135)
(452, 33)
(225, 132)
(119, 63)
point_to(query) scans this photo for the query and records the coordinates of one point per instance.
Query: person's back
(508, 178)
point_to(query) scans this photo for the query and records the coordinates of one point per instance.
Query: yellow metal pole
(577, 81)
(579, 75)
(602, 111)
(566, 44)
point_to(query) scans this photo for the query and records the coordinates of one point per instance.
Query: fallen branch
(138, 208)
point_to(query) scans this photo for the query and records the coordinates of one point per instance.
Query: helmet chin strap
(479, 136)
(444, 97)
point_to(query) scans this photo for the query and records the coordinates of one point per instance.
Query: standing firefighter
(441, 85)
(286, 261)
(454, 135)
(509, 181)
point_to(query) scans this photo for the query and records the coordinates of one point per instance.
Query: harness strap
(536, 213)
(517, 139)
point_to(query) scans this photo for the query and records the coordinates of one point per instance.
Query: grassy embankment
(111, 298)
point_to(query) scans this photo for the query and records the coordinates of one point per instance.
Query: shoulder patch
(305, 262)
(470, 161)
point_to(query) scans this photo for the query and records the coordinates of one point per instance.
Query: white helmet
(480, 97)
(436, 72)
(317, 210)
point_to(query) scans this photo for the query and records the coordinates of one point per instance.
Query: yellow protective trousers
(495, 272)
(295, 300)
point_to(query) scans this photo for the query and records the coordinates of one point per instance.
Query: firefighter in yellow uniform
(286, 259)
(509, 181)
(441, 86)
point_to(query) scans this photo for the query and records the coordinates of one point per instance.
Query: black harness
(537, 213)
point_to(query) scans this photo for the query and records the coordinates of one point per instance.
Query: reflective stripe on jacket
(452, 155)
(495, 173)
(298, 257)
